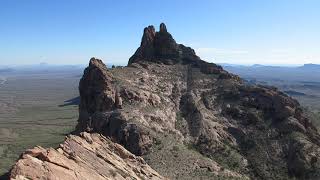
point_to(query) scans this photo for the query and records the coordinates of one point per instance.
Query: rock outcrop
(174, 104)
(88, 156)
(99, 107)
(160, 47)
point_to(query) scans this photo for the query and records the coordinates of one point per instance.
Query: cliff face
(191, 119)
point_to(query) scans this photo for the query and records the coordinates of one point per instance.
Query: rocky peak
(160, 47)
(163, 27)
(96, 63)
(148, 36)
(201, 104)
(96, 90)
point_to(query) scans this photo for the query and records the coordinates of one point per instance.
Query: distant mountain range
(43, 67)
(39, 68)
(6, 70)
(286, 73)
(309, 65)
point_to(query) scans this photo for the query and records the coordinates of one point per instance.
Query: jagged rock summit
(160, 47)
(190, 119)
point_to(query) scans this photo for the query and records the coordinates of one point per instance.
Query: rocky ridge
(167, 91)
(190, 119)
(88, 156)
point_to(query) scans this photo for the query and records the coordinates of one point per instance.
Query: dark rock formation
(99, 102)
(163, 28)
(96, 92)
(160, 47)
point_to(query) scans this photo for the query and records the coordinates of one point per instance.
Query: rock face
(99, 109)
(193, 120)
(89, 156)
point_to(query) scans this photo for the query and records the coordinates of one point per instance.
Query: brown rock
(89, 156)
(210, 68)
(96, 92)
(118, 101)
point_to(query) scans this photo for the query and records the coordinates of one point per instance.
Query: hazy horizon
(71, 32)
(124, 64)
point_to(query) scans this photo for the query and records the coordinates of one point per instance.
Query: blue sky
(224, 31)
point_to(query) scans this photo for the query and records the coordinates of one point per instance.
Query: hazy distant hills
(6, 70)
(310, 67)
(40, 69)
(307, 72)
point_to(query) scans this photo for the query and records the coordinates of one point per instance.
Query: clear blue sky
(230, 31)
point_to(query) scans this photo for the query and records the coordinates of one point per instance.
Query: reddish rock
(88, 156)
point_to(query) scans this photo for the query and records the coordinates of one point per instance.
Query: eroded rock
(88, 156)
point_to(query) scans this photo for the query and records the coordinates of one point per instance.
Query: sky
(220, 31)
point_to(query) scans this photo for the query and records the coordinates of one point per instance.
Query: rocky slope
(188, 119)
(191, 119)
(88, 156)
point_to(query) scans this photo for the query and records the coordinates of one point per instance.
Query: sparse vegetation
(33, 112)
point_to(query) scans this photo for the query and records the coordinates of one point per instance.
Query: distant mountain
(312, 67)
(258, 65)
(287, 73)
(6, 70)
(228, 64)
(41, 69)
